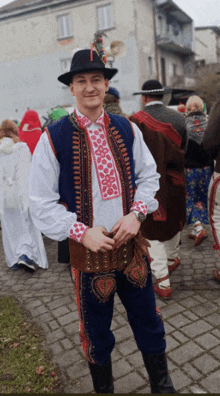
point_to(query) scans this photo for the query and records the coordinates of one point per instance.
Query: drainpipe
(155, 38)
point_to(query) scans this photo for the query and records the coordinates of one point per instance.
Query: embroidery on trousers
(159, 314)
(138, 275)
(103, 286)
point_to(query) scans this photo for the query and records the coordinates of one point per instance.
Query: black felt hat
(152, 88)
(86, 61)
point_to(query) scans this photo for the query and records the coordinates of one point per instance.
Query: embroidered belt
(85, 260)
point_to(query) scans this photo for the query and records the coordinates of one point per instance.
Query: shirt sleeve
(147, 178)
(49, 216)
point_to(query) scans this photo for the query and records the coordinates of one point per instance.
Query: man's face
(89, 90)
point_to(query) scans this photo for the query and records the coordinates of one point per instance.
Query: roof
(171, 8)
(216, 29)
(18, 4)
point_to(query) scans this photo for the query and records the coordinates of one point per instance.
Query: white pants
(214, 209)
(20, 236)
(160, 252)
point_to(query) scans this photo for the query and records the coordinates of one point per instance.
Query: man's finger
(116, 226)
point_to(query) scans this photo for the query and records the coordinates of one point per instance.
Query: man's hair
(109, 98)
(8, 128)
(151, 96)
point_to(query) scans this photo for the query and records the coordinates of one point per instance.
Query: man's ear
(72, 89)
(106, 85)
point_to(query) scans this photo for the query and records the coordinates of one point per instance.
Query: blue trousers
(95, 301)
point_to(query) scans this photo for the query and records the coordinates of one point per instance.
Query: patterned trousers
(214, 209)
(95, 302)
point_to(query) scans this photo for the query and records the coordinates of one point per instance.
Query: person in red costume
(30, 129)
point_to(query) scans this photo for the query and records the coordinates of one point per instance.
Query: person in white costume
(22, 241)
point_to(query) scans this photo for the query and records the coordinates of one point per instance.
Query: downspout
(155, 38)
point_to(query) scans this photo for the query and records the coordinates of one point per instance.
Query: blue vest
(71, 148)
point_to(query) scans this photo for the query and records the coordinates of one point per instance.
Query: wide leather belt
(85, 260)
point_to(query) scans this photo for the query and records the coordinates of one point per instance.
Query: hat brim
(155, 93)
(66, 78)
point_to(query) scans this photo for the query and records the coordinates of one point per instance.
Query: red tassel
(91, 53)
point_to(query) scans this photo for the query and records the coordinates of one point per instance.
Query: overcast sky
(203, 12)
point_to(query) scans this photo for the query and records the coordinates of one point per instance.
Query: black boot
(102, 377)
(159, 377)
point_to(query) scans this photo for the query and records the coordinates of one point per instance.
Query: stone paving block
(114, 324)
(115, 355)
(196, 328)
(45, 327)
(72, 328)
(192, 371)
(129, 383)
(214, 319)
(120, 308)
(121, 368)
(46, 317)
(56, 348)
(171, 343)
(196, 389)
(67, 344)
(206, 363)
(216, 333)
(185, 353)
(207, 341)
(121, 319)
(146, 390)
(55, 336)
(54, 325)
(189, 302)
(135, 359)
(46, 299)
(159, 303)
(190, 315)
(180, 337)
(172, 310)
(85, 385)
(68, 358)
(170, 364)
(60, 311)
(59, 302)
(212, 383)
(180, 380)
(178, 321)
(200, 298)
(33, 304)
(204, 309)
(66, 319)
(127, 347)
(122, 333)
(216, 352)
(78, 369)
(41, 309)
(72, 306)
(168, 328)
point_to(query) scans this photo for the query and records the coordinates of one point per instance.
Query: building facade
(207, 45)
(145, 39)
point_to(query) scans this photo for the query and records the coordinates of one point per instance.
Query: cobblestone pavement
(191, 317)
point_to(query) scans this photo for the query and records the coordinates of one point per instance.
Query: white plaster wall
(205, 45)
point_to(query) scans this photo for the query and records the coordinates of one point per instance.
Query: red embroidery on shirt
(140, 207)
(77, 231)
(106, 171)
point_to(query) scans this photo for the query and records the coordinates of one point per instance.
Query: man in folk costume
(96, 182)
(164, 132)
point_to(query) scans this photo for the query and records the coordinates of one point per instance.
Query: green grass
(21, 354)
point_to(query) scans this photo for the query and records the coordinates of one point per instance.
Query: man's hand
(125, 229)
(96, 239)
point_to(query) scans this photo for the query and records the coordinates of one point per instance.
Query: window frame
(64, 27)
(112, 26)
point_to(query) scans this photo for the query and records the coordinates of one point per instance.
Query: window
(150, 64)
(105, 17)
(174, 69)
(160, 23)
(65, 65)
(64, 26)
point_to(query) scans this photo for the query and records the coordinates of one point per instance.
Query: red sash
(158, 126)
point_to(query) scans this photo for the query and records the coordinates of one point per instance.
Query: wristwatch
(140, 216)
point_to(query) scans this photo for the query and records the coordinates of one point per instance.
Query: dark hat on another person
(86, 61)
(152, 88)
(114, 92)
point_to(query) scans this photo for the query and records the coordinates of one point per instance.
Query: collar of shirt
(85, 122)
(155, 102)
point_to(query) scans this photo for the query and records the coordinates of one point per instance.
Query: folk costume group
(94, 180)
